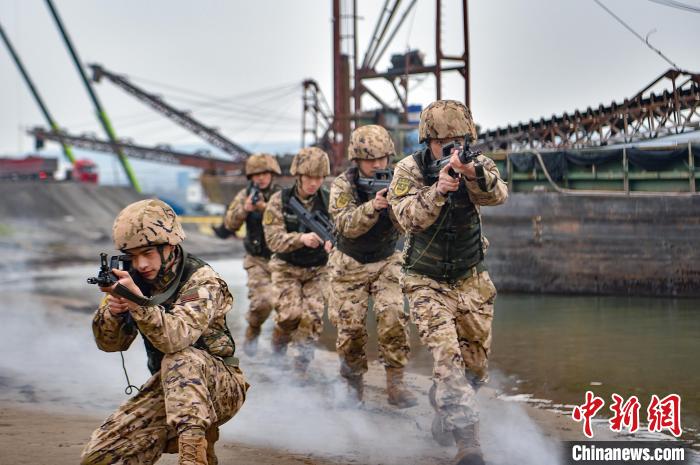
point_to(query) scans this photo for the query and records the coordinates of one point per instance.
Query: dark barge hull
(595, 244)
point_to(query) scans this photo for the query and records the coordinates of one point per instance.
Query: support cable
(646, 41)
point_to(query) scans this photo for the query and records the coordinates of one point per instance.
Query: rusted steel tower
(351, 75)
(317, 117)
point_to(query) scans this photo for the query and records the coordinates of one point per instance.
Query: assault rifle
(466, 156)
(380, 180)
(254, 190)
(221, 231)
(315, 222)
(105, 278)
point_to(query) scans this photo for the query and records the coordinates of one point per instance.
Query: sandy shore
(31, 436)
(295, 430)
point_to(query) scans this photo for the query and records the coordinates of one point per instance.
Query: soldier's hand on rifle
(311, 240)
(117, 305)
(328, 246)
(380, 202)
(261, 204)
(447, 183)
(125, 280)
(467, 170)
(248, 206)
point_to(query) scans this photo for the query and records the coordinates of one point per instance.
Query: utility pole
(35, 93)
(101, 114)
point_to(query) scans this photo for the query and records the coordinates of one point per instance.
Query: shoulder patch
(189, 296)
(402, 187)
(267, 217)
(343, 200)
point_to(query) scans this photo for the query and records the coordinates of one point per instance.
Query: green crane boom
(101, 114)
(67, 151)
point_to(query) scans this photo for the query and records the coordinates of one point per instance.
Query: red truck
(84, 171)
(44, 169)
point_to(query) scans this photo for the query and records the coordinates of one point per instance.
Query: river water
(546, 349)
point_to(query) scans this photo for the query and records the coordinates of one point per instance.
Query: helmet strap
(167, 265)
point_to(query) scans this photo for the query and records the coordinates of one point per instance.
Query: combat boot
(212, 436)
(192, 445)
(468, 447)
(399, 395)
(356, 388)
(280, 341)
(250, 343)
(440, 435)
(301, 366)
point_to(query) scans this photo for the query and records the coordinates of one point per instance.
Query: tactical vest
(451, 246)
(376, 244)
(254, 242)
(304, 257)
(155, 356)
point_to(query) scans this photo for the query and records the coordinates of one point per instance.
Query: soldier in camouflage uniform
(366, 264)
(259, 168)
(196, 384)
(448, 288)
(298, 265)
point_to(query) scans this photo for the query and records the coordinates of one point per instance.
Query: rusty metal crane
(161, 154)
(180, 117)
(647, 115)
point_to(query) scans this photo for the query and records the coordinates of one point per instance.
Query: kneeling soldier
(298, 265)
(196, 384)
(366, 264)
(260, 169)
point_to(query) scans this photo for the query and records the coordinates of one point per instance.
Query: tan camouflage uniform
(453, 320)
(302, 291)
(352, 283)
(195, 389)
(261, 293)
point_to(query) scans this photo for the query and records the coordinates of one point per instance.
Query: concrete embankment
(554, 243)
(540, 242)
(68, 222)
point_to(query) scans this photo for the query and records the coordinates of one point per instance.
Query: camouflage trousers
(192, 389)
(454, 322)
(352, 284)
(261, 293)
(301, 299)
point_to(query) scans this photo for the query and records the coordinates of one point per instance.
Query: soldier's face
(262, 180)
(436, 145)
(310, 184)
(368, 167)
(146, 260)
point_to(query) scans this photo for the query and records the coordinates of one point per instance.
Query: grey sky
(529, 59)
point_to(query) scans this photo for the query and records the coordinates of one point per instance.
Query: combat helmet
(445, 119)
(261, 163)
(146, 223)
(311, 161)
(370, 143)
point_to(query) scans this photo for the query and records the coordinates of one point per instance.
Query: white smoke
(49, 360)
(510, 435)
(282, 414)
